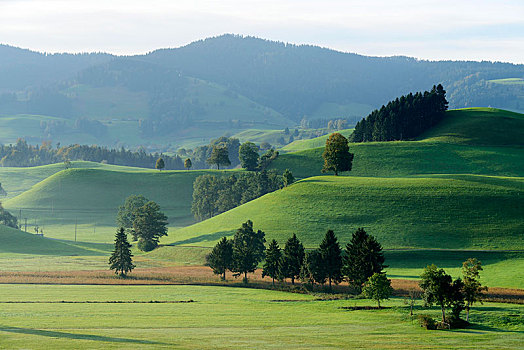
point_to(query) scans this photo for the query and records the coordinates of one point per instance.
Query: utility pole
(76, 221)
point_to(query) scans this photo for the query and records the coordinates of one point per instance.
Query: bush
(427, 322)
(146, 245)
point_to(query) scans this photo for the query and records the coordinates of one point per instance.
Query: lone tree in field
(160, 164)
(248, 155)
(149, 225)
(188, 164)
(436, 286)
(219, 156)
(248, 249)
(121, 259)
(292, 258)
(126, 213)
(363, 258)
(331, 255)
(472, 288)
(273, 263)
(336, 154)
(378, 288)
(221, 257)
(288, 177)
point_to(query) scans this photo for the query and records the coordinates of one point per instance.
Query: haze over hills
(224, 84)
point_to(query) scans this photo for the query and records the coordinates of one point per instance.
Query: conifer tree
(331, 255)
(292, 258)
(221, 257)
(273, 263)
(121, 259)
(363, 257)
(313, 268)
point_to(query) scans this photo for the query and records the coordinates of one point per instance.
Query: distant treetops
(404, 118)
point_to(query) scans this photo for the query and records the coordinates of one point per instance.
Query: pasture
(72, 317)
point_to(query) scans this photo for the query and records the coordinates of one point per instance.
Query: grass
(454, 211)
(89, 198)
(300, 145)
(222, 317)
(508, 81)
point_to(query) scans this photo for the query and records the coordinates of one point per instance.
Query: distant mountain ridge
(230, 83)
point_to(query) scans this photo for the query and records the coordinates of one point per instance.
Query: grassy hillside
(90, 197)
(300, 145)
(454, 211)
(470, 141)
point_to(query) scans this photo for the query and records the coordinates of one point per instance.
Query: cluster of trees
(6, 218)
(142, 219)
(456, 295)
(213, 194)
(23, 154)
(404, 118)
(362, 259)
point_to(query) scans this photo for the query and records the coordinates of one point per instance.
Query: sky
(427, 29)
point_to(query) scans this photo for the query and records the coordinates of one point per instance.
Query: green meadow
(124, 317)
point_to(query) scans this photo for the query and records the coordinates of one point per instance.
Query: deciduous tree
(149, 225)
(336, 154)
(378, 287)
(160, 164)
(126, 213)
(219, 156)
(472, 287)
(188, 164)
(248, 155)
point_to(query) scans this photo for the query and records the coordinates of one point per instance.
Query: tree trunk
(273, 281)
(378, 302)
(292, 279)
(443, 314)
(224, 276)
(467, 313)
(245, 277)
(329, 283)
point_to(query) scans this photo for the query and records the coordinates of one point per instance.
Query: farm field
(160, 317)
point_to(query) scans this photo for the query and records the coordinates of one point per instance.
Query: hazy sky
(431, 29)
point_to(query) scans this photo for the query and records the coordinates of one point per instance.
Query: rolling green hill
(453, 211)
(469, 141)
(300, 145)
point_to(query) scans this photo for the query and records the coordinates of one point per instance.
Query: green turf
(508, 81)
(224, 318)
(470, 141)
(300, 145)
(454, 211)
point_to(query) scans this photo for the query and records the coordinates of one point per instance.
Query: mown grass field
(452, 212)
(222, 317)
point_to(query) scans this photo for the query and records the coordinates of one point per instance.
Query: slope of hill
(18, 242)
(454, 211)
(468, 141)
(301, 145)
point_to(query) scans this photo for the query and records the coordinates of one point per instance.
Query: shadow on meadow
(211, 237)
(55, 334)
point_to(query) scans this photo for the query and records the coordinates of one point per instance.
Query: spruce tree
(313, 269)
(331, 255)
(221, 257)
(363, 258)
(121, 259)
(273, 263)
(292, 258)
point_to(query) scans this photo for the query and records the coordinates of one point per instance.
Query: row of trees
(23, 154)
(214, 194)
(361, 259)
(404, 118)
(142, 219)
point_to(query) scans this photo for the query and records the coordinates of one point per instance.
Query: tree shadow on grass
(55, 334)
(211, 237)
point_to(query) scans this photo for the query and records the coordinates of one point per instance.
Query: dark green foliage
(363, 258)
(126, 213)
(248, 155)
(286, 131)
(331, 255)
(6, 218)
(378, 288)
(266, 159)
(438, 288)
(213, 195)
(273, 264)
(288, 177)
(160, 164)
(336, 154)
(23, 154)
(149, 225)
(221, 257)
(219, 156)
(248, 249)
(404, 118)
(427, 322)
(121, 259)
(188, 164)
(292, 258)
(313, 268)
(472, 287)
